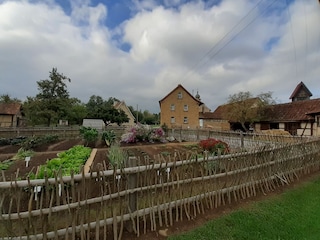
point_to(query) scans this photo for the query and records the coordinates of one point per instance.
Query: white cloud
(168, 47)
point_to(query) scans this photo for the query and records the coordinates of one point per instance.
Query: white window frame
(179, 95)
(173, 120)
(186, 108)
(185, 120)
(172, 107)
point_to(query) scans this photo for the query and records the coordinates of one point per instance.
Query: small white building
(94, 123)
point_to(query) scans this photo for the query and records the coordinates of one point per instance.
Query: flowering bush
(214, 146)
(140, 133)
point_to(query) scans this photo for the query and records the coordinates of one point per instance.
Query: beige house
(122, 105)
(179, 109)
(10, 114)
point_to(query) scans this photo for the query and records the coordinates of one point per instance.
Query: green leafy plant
(4, 165)
(109, 137)
(117, 156)
(90, 135)
(35, 141)
(22, 154)
(67, 161)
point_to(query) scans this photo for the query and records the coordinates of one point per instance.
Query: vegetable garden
(157, 185)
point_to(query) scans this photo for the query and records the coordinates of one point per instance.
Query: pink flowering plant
(140, 133)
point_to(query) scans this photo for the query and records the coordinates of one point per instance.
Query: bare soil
(145, 152)
(45, 153)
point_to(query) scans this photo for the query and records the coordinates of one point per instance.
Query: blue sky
(139, 50)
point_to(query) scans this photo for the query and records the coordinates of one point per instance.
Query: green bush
(90, 135)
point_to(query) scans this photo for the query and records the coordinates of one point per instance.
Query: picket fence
(103, 204)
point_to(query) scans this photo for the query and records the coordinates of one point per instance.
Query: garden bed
(147, 153)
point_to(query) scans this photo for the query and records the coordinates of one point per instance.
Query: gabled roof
(301, 86)
(118, 104)
(180, 86)
(293, 111)
(10, 108)
(222, 111)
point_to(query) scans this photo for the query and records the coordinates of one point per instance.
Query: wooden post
(241, 139)
(133, 197)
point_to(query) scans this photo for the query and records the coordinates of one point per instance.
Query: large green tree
(78, 111)
(52, 102)
(99, 108)
(145, 117)
(244, 108)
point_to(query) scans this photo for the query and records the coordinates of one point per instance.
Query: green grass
(294, 214)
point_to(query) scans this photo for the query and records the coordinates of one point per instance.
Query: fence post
(241, 139)
(133, 197)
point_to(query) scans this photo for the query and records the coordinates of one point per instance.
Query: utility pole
(137, 114)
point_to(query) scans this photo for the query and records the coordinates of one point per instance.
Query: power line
(293, 41)
(224, 41)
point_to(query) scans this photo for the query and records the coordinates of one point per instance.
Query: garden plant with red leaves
(214, 146)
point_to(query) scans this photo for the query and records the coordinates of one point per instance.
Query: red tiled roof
(286, 112)
(10, 108)
(222, 111)
(298, 88)
(293, 111)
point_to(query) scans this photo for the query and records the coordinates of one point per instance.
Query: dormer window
(179, 95)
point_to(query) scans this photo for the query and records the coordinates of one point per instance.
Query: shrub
(4, 141)
(90, 135)
(30, 143)
(214, 146)
(35, 141)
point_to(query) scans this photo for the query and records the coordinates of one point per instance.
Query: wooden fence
(235, 139)
(63, 132)
(101, 204)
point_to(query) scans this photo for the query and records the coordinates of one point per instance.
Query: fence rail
(63, 132)
(139, 198)
(235, 139)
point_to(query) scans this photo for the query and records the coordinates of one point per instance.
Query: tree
(78, 111)
(52, 102)
(243, 108)
(6, 98)
(104, 109)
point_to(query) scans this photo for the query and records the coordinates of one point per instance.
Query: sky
(140, 50)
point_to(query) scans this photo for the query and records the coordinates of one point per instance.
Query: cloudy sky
(139, 50)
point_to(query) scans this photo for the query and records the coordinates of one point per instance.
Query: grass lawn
(294, 214)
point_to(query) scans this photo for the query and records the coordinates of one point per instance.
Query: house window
(179, 95)
(185, 120)
(173, 120)
(172, 107)
(185, 108)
